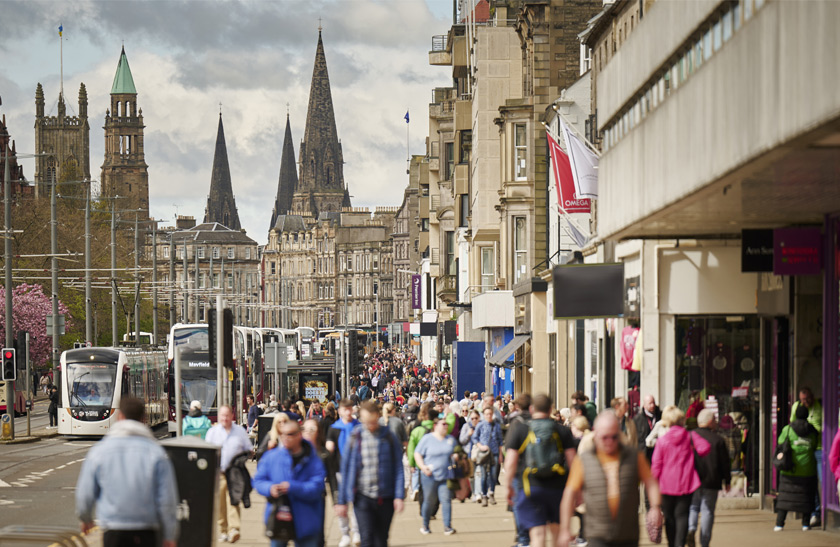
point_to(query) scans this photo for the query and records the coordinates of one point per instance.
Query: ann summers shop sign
(756, 251)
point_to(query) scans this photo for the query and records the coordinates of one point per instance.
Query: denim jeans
(703, 503)
(488, 476)
(310, 541)
(374, 517)
(415, 479)
(818, 454)
(522, 536)
(433, 492)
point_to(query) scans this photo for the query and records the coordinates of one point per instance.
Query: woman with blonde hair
(670, 416)
(673, 467)
(301, 408)
(272, 439)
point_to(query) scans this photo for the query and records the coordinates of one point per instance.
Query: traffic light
(9, 365)
(227, 332)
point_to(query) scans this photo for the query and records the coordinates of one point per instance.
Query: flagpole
(407, 148)
(577, 134)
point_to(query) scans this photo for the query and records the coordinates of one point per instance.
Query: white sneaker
(357, 539)
(806, 528)
(778, 528)
(345, 541)
(223, 538)
(234, 536)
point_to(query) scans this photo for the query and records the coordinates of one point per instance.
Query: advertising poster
(315, 386)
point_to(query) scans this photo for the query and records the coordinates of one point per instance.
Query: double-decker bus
(198, 371)
(93, 380)
(248, 359)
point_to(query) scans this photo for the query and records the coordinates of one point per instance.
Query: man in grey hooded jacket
(131, 482)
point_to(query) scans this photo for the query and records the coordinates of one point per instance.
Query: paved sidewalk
(493, 526)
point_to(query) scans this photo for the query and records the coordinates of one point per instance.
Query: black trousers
(131, 538)
(781, 515)
(374, 517)
(675, 509)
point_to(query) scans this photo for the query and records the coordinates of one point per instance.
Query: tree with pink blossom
(30, 310)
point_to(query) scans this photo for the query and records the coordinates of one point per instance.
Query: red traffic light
(8, 355)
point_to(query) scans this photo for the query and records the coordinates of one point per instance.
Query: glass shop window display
(717, 368)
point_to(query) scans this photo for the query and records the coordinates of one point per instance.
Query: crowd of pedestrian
(402, 434)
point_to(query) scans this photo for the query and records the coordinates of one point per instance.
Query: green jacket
(591, 412)
(815, 418)
(450, 423)
(414, 439)
(804, 461)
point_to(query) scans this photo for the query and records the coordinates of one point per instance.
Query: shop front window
(717, 367)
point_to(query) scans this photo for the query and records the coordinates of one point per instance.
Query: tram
(93, 380)
(198, 371)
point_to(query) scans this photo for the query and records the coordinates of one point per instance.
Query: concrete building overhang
(492, 309)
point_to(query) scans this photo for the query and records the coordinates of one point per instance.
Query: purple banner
(416, 292)
(797, 251)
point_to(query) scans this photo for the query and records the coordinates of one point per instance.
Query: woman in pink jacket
(834, 460)
(673, 466)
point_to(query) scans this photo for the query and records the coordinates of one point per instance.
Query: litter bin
(196, 464)
(264, 426)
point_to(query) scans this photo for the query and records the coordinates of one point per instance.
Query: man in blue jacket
(294, 469)
(372, 477)
(131, 481)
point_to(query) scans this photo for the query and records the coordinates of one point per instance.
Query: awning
(504, 354)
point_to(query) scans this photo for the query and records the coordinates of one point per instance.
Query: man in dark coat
(713, 469)
(645, 421)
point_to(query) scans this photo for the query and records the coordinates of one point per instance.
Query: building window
(216, 253)
(230, 252)
(488, 277)
(230, 281)
(349, 287)
(520, 249)
(273, 267)
(166, 251)
(201, 252)
(375, 262)
(449, 149)
(247, 253)
(349, 263)
(520, 145)
(466, 146)
(450, 253)
(202, 280)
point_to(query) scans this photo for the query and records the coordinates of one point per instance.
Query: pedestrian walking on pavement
(371, 477)
(798, 486)
(337, 438)
(234, 441)
(294, 469)
(608, 478)
(488, 437)
(629, 437)
(434, 458)
(195, 423)
(539, 453)
(130, 481)
(645, 422)
(312, 432)
(52, 410)
(425, 425)
(815, 418)
(713, 469)
(520, 415)
(473, 418)
(673, 467)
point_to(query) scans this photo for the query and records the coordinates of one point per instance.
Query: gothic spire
(221, 206)
(320, 156)
(287, 184)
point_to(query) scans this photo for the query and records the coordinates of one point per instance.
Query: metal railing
(439, 42)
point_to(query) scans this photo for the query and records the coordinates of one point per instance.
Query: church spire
(221, 206)
(287, 184)
(320, 155)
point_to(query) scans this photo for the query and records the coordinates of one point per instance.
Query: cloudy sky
(254, 57)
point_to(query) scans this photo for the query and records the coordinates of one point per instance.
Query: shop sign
(415, 292)
(756, 251)
(740, 391)
(796, 251)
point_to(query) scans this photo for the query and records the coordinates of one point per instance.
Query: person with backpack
(488, 438)
(798, 485)
(338, 437)
(425, 425)
(520, 415)
(538, 453)
(195, 423)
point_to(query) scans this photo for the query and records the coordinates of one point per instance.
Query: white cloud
(254, 58)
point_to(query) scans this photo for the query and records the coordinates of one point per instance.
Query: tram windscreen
(91, 384)
(198, 375)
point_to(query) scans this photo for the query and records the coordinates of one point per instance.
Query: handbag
(478, 456)
(783, 458)
(281, 523)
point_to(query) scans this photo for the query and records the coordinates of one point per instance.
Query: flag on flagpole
(567, 197)
(584, 164)
(406, 116)
(60, 29)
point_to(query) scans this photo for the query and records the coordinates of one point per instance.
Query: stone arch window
(127, 109)
(329, 175)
